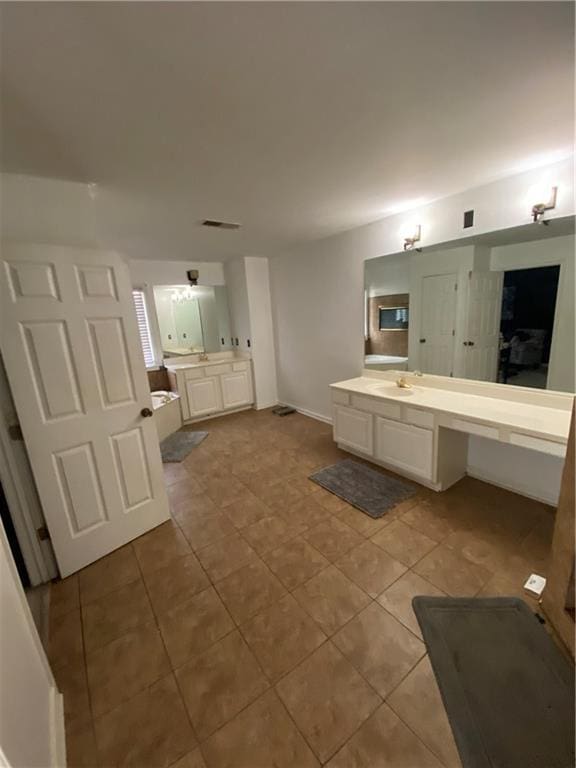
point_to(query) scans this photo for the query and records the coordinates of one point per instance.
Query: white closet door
(437, 327)
(482, 340)
(70, 344)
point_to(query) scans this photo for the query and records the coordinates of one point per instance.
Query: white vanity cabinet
(404, 446)
(353, 429)
(215, 387)
(203, 396)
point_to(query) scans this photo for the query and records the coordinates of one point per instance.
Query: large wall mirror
(192, 319)
(497, 307)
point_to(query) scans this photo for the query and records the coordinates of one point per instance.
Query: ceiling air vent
(220, 224)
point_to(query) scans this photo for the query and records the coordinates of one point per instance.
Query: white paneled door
(437, 327)
(483, 325)
(72, 354)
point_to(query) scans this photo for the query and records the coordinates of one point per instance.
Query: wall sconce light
(540, 209)
(410, 242)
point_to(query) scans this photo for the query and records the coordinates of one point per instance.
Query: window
(143, 327)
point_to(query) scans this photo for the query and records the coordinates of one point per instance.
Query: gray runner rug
(179, 444)
(507, 688)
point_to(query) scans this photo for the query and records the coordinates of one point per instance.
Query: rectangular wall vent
(220, 224)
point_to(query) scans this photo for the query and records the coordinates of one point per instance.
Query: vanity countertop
(550, 423)
(205, 363)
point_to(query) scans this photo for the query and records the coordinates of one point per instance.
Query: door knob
(422, 341)
(145, 412)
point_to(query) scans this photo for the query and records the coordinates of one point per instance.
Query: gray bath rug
(179, 444)
(363, 487)
(507, 688)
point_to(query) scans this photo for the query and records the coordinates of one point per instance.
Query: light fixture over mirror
(411, 240)
(540, 208)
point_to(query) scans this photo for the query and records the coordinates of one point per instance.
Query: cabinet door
(203, 396)
(236, 389)
(405, 446)
(353, 428)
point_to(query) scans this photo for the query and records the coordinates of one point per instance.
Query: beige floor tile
(226, 491)
(282, 636)
(249, 590)
(418, 703)
(64, 596)
(73, 685)
(226, 556)
(295, 562)
(107, 574)
(452, 573)
(500, 586)
(333, 538)
(379, 647)
(384, 741)
(115, 614)
(193, 759)
(174, 472)
(207, 529)
(370, 567)
(263, 735)
(184, 489)
(397, 599)
(331, 599)
(81, 749)
(306, 512)
(361, 522)
(427, 519)
(277, 495)
(404, 543)
(175, 583)
(330, 501)
(160, 546)
(219, 683)
(247, 511)
(150, 730)
(125, 667)
(303, 484)
(65, 643)
(191, 627)
(190, 510)
(270, 532)
(327, 699)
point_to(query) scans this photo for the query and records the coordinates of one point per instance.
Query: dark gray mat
(179, 444)
(508, 690)
(363, 487)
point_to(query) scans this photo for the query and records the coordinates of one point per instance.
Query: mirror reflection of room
(192, 319)
(494, 308)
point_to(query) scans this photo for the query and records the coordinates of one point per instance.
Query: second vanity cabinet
(212, 388)
(404, 446)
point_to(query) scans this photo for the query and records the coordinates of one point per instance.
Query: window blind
(143, 327)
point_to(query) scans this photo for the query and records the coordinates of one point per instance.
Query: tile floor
(270, 623)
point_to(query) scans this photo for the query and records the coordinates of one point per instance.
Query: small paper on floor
(535, 584)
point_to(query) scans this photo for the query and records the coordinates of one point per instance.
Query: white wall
(317, 290)
(541, 253)
(262, 335)
(388, 276)
(31, 715)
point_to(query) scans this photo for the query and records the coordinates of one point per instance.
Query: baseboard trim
(57, 733)
(311, 414)
(522, 490)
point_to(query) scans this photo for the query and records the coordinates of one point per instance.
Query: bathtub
(167, 414)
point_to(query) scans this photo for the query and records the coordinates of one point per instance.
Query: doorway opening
(527, 325)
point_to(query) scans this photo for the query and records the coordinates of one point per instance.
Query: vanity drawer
(475, 429)
(194, 373)
(379, 407)
(239, 366)
(340, 398)
(420, 418)
(216, 370)
(538, 444)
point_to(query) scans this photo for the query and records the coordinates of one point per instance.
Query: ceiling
(298, 120)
